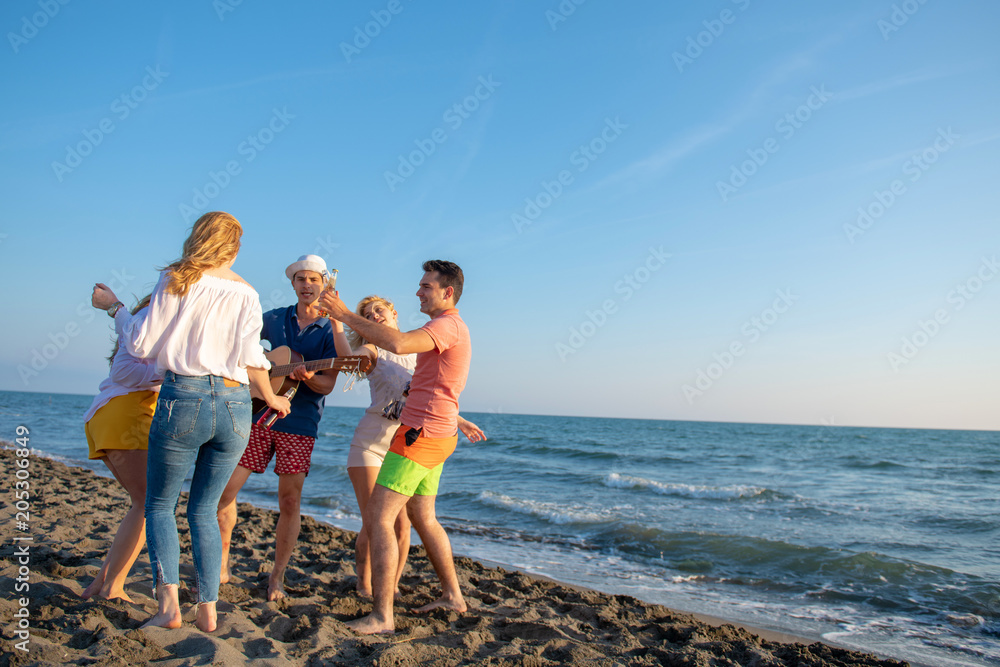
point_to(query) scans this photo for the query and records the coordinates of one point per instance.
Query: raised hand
(103, 297)
(330, 301)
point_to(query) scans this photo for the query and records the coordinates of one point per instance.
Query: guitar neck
(317, 365)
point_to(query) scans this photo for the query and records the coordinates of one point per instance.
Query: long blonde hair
(143, 302)
(214, 241)
(353, 337)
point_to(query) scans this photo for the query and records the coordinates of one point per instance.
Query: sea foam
(617, 481)
(560, 514)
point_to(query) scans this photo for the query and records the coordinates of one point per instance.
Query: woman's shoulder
(407, 361)
(225, 273)
(228, 280)
(232, 275)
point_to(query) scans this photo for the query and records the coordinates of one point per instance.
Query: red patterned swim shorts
(294, 452)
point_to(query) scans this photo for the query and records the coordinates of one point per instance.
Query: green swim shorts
(408, 477)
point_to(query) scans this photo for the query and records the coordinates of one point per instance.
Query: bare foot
(164, 620)
(116, 595)
(443, 603)
(369, 625)
(397, 595)
(207, 620)
(275, 590)
(91, 590)
(169, 613)
(225, 574)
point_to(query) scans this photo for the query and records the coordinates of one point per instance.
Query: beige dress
(374, 433)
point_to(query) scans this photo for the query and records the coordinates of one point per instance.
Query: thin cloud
(665, 158)
(668, 156)
(908, 79)
(878, 164)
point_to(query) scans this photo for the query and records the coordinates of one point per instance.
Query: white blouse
(128, 374)
(214, 329)
(389, 377)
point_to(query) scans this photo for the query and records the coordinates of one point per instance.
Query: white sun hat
(307, 263)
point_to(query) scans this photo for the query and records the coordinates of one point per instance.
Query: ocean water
(884, 540)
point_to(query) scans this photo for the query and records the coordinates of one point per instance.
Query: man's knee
(228, 499)
(289, 502)
(382, 517)
(290, 492)
(384, 506)
(420, 512)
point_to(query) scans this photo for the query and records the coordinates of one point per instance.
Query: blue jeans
(201, 421)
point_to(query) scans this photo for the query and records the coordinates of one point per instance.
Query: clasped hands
(330, 301)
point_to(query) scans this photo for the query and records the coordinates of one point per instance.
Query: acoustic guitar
(284, 360)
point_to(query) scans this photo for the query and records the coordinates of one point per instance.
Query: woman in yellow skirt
(117, 427)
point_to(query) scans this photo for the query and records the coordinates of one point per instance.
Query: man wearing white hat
(290, 440)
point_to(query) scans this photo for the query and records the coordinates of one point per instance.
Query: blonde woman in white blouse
(203, 328)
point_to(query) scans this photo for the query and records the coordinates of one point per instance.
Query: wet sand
(513, 619)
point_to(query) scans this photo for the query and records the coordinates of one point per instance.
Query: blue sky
(733, 211)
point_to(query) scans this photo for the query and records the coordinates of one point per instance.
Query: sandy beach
(513, 619)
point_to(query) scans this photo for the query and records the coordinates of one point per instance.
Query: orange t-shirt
(439, 377)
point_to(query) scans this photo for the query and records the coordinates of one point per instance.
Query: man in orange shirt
(426, 437)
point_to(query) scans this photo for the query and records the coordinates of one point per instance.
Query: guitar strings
(353, 375)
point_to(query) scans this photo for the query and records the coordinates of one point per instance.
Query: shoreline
(513, 618)
(764, 633)
(708, 619)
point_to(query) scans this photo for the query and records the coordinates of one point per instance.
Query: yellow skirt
(122, 423)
